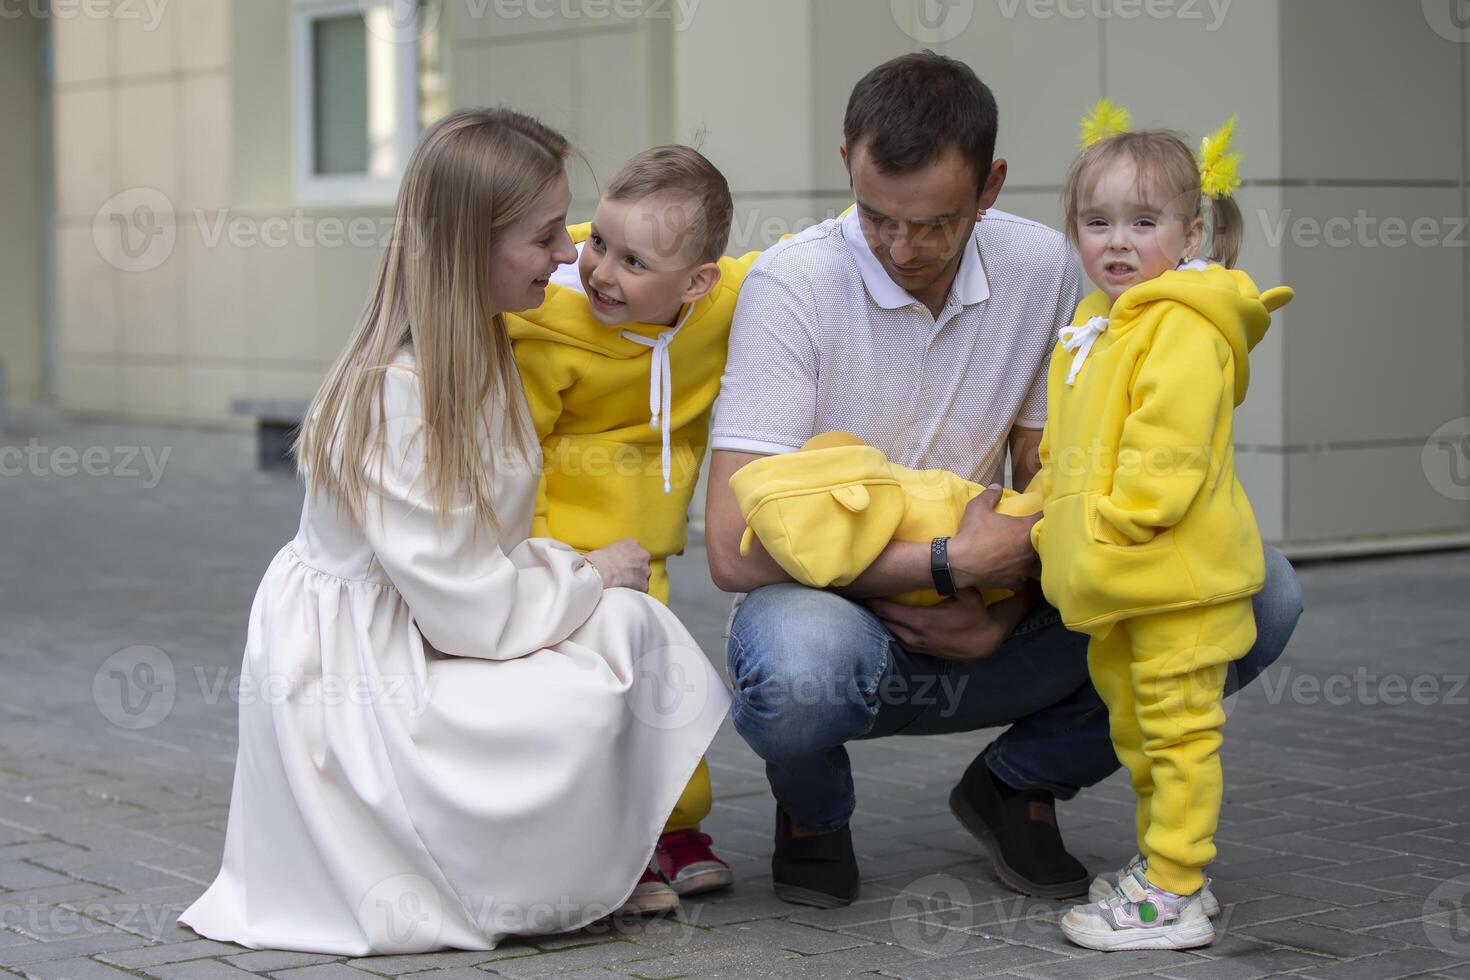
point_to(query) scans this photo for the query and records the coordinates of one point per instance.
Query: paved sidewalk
(1345, 839)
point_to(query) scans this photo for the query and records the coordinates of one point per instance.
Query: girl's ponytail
(1227, 231)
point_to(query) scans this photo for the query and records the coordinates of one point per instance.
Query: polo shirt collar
(971, 285)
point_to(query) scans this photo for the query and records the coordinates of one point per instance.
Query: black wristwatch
(939, 567)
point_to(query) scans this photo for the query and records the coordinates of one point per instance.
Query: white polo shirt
(824, 340)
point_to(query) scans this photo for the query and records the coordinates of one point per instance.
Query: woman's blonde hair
(1166, 167)
(473, 174)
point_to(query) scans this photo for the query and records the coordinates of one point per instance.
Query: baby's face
(636, 266)
(1126, 237)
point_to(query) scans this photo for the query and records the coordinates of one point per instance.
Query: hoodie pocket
(1094, 581)
(1103, 531)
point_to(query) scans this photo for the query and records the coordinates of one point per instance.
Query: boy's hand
(993, 551)
(963, 628)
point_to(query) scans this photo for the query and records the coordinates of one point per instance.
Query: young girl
(1148, 543)
(455, 733)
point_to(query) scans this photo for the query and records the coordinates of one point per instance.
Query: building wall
(1347, 106)
(215, 286)
(597, 72)
(24, 243)
(1373, 105)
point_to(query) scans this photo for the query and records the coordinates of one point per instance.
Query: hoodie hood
(1226, 298)
(566, 318)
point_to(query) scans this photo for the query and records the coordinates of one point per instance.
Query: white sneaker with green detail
(1138, 915)
(1103, 886)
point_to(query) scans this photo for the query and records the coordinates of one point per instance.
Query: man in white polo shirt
(925, 332)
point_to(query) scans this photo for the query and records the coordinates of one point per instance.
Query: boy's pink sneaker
(651, 896)
(687, 863)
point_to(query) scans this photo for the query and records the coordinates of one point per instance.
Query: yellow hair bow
(1219, 168)
(1106, 119)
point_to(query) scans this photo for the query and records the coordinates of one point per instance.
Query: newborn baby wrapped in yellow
(825, 513)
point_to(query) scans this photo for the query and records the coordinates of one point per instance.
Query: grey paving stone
(43, 852)
(72, 891)
(613, 953)
(1378, 829)
(395, 966)
(1274, 960)
(836, 965)
(269, 960)
(859, 913)
(80, 968)
(700, 963)
(85, 945)
(322, 971)
(127, 876)
(741, 907)
(141, 913)
(17, 875)
(1364, 872)
(1326, 806)
(1319, 889)
(450, 973)
(1320, 940)
(1100, 966)
(779, 934)
(146, 956)
(926, 936)
(1387, 966)
(1420, 885)
(1390, 912)
(992, 960)
(199, 970)
(1223, 969)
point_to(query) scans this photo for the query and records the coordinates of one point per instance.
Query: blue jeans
(812, 671)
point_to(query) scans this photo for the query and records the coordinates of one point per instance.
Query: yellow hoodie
(1143, 512)
(597, 399)
(825, 513)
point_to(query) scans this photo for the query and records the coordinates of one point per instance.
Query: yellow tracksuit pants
(698, 798)
(1163, 679)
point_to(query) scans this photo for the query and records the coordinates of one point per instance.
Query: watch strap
(939, 567)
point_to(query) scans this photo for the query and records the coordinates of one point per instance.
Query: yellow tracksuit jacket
(589, 390)
(1142, 510)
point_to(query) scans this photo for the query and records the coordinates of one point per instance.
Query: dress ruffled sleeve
(468, 597)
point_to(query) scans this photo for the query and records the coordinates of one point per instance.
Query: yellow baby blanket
(825, 513)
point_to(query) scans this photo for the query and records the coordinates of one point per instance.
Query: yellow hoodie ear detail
(1106, 119)
(832, 440)
(745, 541)
(1275, 299)
(854, 498)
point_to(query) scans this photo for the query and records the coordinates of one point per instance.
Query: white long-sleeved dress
(444, 738)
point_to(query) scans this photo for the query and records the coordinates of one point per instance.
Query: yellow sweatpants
(698, 798)
(1163, 680)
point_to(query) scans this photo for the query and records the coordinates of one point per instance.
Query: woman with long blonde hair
(449, 733)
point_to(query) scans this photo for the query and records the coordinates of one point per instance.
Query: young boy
(621, 365)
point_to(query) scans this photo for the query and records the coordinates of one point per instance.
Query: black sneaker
(820, 870)
(1019, 829)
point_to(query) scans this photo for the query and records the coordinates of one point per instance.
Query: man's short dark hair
(910, 109)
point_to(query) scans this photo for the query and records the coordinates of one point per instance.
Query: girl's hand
(623, 565)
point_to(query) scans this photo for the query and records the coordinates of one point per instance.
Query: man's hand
(993, 551)
(963, 628)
